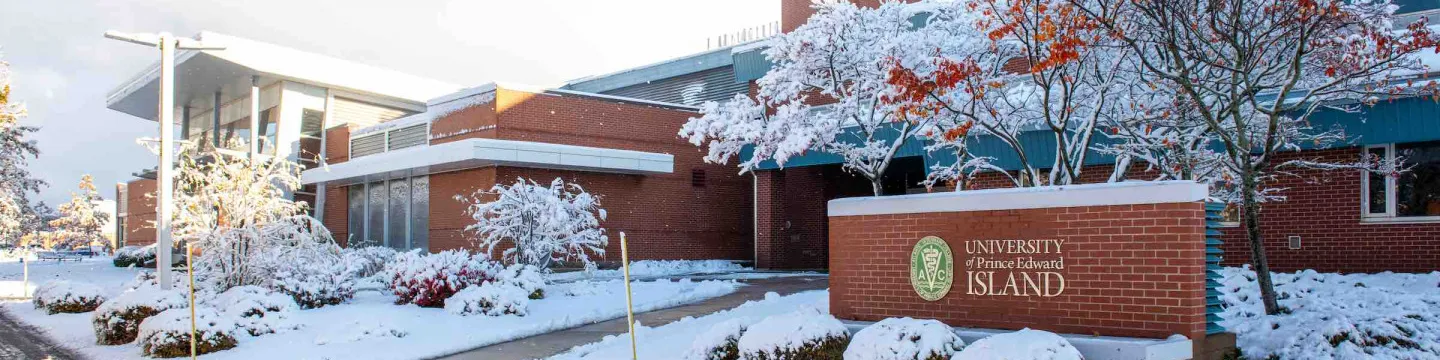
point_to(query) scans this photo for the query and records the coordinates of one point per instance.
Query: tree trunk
(875, 185)
(1257, 245)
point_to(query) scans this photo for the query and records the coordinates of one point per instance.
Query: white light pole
(166, 177)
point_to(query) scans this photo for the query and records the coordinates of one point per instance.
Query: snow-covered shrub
(315, 281)
(525, 277)
(71, 297)
(364, 262)
(1025, 344)
(134, 256)
(904, 339)
(167, 334)
(428, 279)
(807, 334)
(117, 321)
(721, 342)
(491, 298)
(256, 310)
(1334, 316)
(545, 224)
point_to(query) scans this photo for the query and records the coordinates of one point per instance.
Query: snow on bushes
(256, 310)
(904, 339)
(721, 342)
(808, 334)
(491, 298)
(1327, 315)
(167, 334)
(524, 277)
(545, 224)
(1025, 344)
(428, 279)
(315, 281)
(117, 321)
(364, 262)
(71, 297)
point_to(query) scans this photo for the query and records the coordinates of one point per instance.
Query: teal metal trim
(1213, 255)
(911, 147)
(751, 64)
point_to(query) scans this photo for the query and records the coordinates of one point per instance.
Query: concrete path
(18, 341)
(544, 345)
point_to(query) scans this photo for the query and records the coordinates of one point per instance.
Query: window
(697, 178)
(311, 128)
(393, 213)
(1415, 194)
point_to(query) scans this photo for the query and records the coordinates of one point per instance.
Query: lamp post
(166, 175)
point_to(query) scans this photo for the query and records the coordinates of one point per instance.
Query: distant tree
(543, 224)
(81, 220)
(16, 183)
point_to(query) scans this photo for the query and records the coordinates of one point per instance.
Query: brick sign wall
(1126, 260)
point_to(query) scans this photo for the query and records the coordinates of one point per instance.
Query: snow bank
(904, 339)
(117, 321)
(677, 339)
(1025, 344)
(807, 332)
(64, 296)
(1370, 316)
(657, 268)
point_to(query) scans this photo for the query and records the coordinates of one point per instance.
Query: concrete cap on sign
(1125, 193)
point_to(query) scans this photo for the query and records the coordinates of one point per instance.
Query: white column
(167, 159)
(254, 116)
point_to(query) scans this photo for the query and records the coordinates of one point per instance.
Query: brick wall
(1131, 270)
(140, 215)
(1323, 208)
(666, 216)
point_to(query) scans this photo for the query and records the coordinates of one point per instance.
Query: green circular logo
(932, 268)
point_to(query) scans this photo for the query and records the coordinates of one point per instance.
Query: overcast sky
(62, 66)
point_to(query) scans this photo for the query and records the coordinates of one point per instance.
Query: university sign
(1121, 260)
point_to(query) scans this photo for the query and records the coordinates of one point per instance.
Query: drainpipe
(755, 219)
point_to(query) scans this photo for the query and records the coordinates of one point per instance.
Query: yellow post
(629, 305)
(190, 270)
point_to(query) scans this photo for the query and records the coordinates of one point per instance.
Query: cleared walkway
(18, 341)
(541, 346)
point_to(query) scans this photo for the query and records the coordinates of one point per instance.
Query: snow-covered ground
(656, 268)
(372, 327)
(673, 340)
(1333, 316)
(97, 270)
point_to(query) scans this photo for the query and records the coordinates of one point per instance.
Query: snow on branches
(841, 58)
(543, 224)
(15, 154)
(81, 220)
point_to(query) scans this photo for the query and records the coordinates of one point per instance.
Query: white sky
(62, 66)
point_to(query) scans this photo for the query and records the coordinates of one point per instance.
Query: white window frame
(1389, 216)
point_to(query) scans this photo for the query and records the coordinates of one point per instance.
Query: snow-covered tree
(1044, 68)
(237, 213)
(824, 93)
(1254, 71)
(81, 220)
(541, 224)
(16, 183)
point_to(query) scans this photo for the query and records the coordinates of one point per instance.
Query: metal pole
(167, 159)
(25, 285)
(629, 304)
(254, 116)
(190, 270)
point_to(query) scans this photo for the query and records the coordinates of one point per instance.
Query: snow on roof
(320, 69)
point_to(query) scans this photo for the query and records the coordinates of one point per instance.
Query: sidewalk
(19, 341)
(541, 346)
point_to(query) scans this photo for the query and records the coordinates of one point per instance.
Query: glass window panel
(267, 131)
(420, 213)
(1376, 188)
(357, 216)
(312, 123)
(375, 225)
(399, 230)
(1418, 191)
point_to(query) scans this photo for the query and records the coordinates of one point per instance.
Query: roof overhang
(476, 153)
(200, 73)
